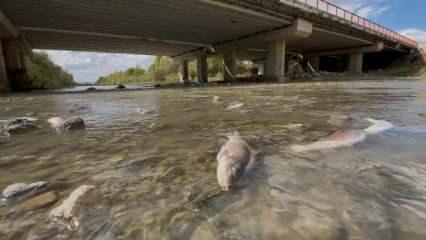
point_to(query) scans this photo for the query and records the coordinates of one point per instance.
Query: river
(151, 155)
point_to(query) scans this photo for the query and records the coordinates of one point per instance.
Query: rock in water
(66, 210)
(91, 89)
(20, 125)
(344, 138)
(20, 189)
(235, 158)
(37, 202)
(378, 126)
(71, 124)
(74, 123)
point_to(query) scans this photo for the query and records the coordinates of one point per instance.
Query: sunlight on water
(151, 155)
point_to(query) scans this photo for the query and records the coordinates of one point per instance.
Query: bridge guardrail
(364, 23)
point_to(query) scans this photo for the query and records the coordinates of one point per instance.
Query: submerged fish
(378, 126)
(235, 158)
(343, 138)
(235, 105)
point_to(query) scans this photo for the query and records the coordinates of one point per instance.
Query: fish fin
(371, 120)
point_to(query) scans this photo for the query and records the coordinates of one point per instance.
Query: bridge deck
(170, 27)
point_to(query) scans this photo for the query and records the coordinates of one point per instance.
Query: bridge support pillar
(4, 81)
(183, 71)
(230, 68)
(355, 62)
(15, 66)
(202, 69)
(275, 61)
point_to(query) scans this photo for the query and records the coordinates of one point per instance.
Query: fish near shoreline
(235, 159)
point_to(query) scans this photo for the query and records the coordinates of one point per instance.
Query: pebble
(38, 202)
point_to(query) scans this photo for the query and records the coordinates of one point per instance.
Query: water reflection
(151, 156)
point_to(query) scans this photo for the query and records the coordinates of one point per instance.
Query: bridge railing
(364, 23)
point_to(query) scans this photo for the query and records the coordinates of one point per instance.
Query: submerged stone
(37, 202)
(20, 125)
(74, 123)
(18, 189)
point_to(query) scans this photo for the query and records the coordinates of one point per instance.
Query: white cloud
(365, 8)
(414, 33)
(89, 66)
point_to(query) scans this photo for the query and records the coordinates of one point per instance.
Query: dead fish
(235, 105)
(56, 122)
(216, 99)
(71, 124)
(343, 138)
(378, 126)
(235, 158)
(66, 211)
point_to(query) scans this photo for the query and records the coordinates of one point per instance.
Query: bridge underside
(180, 29)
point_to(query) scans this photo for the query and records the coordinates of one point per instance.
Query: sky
(405, 16)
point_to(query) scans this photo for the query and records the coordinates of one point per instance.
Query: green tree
(43, 73)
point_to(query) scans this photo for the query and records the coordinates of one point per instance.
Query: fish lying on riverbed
(346, 138)
(235, 159)
(378, 126)
(343, 138)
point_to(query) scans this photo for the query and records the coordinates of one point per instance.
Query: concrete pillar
(355, 62)
(15, 66)
(13, 56)
(230, 71)
(202, 69)
(4, 82)
(183, 71)
(275, 61)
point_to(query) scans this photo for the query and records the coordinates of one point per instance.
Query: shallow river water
(151, 155)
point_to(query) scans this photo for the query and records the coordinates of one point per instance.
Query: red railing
(357, 20)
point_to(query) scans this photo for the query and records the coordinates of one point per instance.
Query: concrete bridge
(259, 30)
